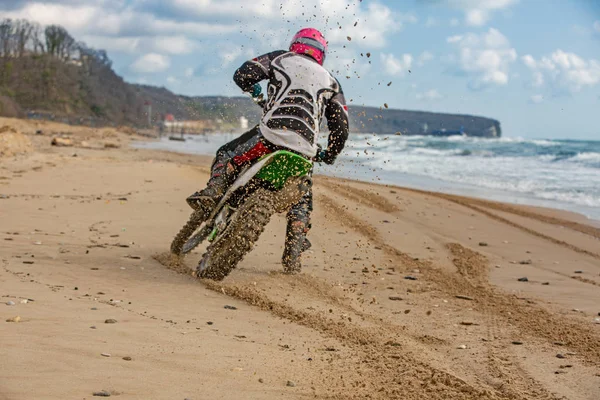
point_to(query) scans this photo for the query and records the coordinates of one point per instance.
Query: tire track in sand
(368, 198)
(360, 196)
(478, 205)
(381, 367)
(533, 320)
(506, 373)
(576, 226)
(501, 368)
(385, 369)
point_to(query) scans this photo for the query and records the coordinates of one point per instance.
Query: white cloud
(564, 70)
(395, 66)
(136, 45)
(72, 18)
(424, 57)
(189, 72)
(178, 27)
(175, 45)
(429, 95)
(536, 98)
(597, 26)
(529, 61)
(373, 24)
(229, 56)
(151, 63)
(479, 12)
(368, 24)
(130, 45)
(486, 58)
(476, 17)
(537, 79)
(96, 19)
(172, 80)
(344, 62)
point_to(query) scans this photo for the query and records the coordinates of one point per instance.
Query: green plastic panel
(284, 165)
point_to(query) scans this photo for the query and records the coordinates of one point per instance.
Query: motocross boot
(295, 244)
(222, 175)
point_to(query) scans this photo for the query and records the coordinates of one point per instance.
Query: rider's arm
(336, 113)
(254, 71)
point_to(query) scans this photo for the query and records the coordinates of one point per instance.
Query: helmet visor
(312, 43)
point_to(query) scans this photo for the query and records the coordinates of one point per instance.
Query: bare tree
(6, 30)
(59, 42)
(38, 40)
(22, 33)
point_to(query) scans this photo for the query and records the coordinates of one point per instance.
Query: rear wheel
(196, 219)
(244, 229)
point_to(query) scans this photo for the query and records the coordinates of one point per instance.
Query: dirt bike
(272, 185)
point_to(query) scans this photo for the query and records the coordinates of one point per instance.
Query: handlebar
(318, 157)
(259, 100)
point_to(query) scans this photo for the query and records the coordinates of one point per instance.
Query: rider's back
(299, 90)
(300, 93)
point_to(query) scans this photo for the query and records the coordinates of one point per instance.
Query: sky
(532, 64)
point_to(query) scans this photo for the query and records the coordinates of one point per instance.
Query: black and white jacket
(300, 93)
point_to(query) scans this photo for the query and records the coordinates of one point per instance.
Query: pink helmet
(311, 42)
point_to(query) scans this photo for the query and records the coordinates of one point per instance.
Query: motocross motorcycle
(271, 185)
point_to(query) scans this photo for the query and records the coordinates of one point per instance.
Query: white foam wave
(435, 152)
(586, 156)
(572, 183)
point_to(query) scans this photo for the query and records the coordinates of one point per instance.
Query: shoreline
(415, 182)
(405, 293)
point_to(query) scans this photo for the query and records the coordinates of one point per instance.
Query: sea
(563, 174)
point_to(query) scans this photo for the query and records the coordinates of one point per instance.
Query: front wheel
(244, 229)
(185, 233)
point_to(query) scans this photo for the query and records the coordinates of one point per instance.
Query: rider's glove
(326, 157)
(256, 91)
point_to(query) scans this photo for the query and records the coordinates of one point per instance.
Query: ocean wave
(587, 156)
(507, 140)
(478, 153)
(577, 183)
(435, 152)
(574, 197)
(543, 142)
(589, 159)
(521, 140)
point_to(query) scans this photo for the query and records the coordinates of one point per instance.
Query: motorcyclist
(300, 92)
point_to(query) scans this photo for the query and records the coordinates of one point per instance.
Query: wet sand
(405, 294)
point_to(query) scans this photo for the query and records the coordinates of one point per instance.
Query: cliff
(391, 121)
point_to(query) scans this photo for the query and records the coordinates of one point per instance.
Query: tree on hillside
(17, 37)
(23, 34)
(6, 31)
(59, 42)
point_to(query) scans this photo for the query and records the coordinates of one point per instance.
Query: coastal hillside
(45, 73)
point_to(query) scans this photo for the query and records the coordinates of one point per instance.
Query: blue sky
(534, 65)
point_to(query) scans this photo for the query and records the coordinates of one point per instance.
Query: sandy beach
(405, 294)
